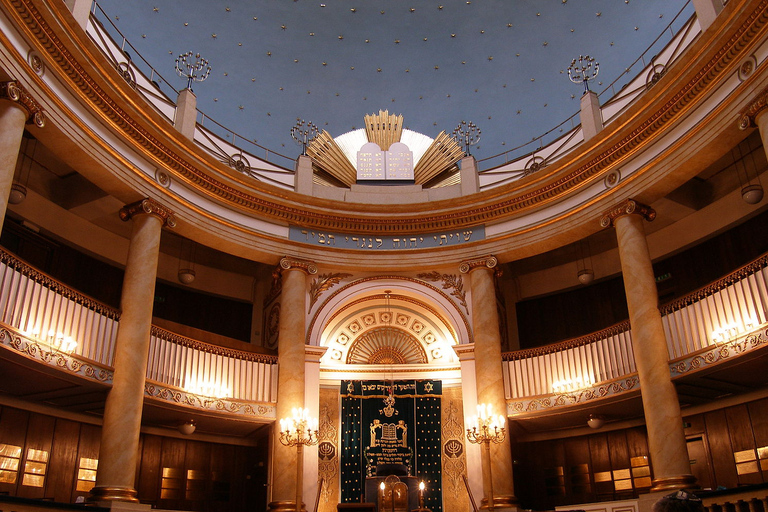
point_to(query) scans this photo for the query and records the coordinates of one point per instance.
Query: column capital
(488, 261)
(291, 263)
(748, 115)
(12, 91)
(151, 207)
(627, 207)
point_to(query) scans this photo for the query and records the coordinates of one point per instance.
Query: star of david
(428, 387)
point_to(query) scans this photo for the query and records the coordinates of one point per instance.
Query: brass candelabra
(299, 431)
(485, 428)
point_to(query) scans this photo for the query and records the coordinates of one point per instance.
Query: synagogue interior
(330, 299)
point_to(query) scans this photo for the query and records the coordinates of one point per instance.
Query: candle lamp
(299, 431)
(486, 429)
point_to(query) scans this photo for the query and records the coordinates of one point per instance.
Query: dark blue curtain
(393, 423)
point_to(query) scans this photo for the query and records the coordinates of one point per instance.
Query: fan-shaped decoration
(327, 155)
(386, 345)
(441, 155)
(383, 129)
(336, 159)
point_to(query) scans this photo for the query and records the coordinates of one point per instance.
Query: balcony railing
(713, 323)
(56, 325)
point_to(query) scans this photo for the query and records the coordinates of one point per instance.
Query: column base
(284, 506)
(106, 494)
(501, 503)
(673, 483)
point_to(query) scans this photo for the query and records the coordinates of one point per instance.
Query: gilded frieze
(556, 401)
(255, 410)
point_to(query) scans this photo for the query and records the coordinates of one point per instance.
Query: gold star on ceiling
(155, 9)
(283, 27)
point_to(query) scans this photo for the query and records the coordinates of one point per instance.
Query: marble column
(290, 376)
(663, 420)
(489, 379)
(17, 108)
(119, 449)
(755, 114)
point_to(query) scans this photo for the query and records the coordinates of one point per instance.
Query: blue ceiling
(499, 63)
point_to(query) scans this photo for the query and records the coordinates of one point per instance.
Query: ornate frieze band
(486, 261)
(151, 207)
(157, 391)
(749, 114)
(291, 263)
(14, 92)
(628, 207)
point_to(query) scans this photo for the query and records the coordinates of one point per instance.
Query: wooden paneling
(13, 431)
(88, 447)
(63, 467)
(39, 440)
(148, 483)
(742, 444)
(720, 449)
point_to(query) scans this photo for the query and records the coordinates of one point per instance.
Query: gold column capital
(151, 207)
(748, 115)
(627, 207)
(291, 263)
(12, 91)
(468, 266)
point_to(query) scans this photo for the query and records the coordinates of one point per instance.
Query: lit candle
(421, 494)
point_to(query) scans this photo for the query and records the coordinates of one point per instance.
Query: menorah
(582, 70)
(486, 429)
(193, 70)
(304, 133)
(466, 134)
(299, 431)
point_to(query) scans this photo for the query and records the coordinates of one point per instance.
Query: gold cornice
(487, 262)
(150, 207)
(627, 207)
(291, 263)
(492, 207)
(13, 91)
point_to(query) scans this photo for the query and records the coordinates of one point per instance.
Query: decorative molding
(323, 283)
(756, 106)
(454, 457)
(627, 207)
(65, 362)
(256, 410)
(485, 262)
(291, 263)
(13, 91)
(745, 27)
(327, 453)
(450, 281)
(151, 207)
(549, 402)
(719, 352)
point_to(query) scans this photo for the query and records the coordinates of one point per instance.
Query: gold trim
(104, 493)
(627, 207)
(485, 262)
(383, 128)
(439, 156)
(328, 156)
(672, 483)
(150, 207)
(291, 263)
(13, 91)
(284, 506)
(749, 114)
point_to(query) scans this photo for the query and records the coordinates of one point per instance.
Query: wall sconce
(188, 427)
(595, 421)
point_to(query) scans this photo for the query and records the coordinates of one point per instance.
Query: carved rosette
(151, 207)
(12, 91)
(485, 262)
(749, 114)
(290, 263)
(627, 207)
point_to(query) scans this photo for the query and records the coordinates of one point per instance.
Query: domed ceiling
(501, 64)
